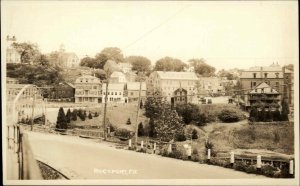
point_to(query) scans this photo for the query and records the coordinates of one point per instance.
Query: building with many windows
(132, 91)
(115, 93)
(271, 75)
(263, 96)
(88, 89)
(176, 86)
(12, 55)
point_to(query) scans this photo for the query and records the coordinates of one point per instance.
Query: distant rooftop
(177, 75)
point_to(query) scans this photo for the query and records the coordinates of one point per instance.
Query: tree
(202, 68)
(68, 116)
(141, 129)
(74, 115)
(152, 132)
(28, 51)
(169, 125)
(88, 62)
(61, 122)
(169, 64)
(194, 134)
(100, 60)
(253, 114)
(139, 63)
(42, 60)
(141, 104)
(128, 121)
(153, 105)
(189, 112)
(289, 66)
(90, 116)
(285, 110)
(113, 53)
(276, 115)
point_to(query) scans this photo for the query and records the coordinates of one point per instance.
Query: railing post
(129, 143)
(142, 144)
(154, 148)
(258, 164)
(208, 155)
(232, 158)
(189, 152)
(291, 168)
(170, 148)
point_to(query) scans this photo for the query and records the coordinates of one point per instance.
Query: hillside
(241, 135)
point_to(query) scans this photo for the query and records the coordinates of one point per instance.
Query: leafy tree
(90, 116)
(153, 105)
(42, 60)
(169, 125)
(128, 121)
(141, 129)
(194, 134)
(202, 68)
(68, 116)
(262, 115)
(285, 110)
(228, 116)
(169, 64)
(276, 115)
(269, 116)
(100, 60)
(61, 122)
(139, 63)
(152, 131)
(88, 62)
(189, 112)
(28, 51)
(113, 53)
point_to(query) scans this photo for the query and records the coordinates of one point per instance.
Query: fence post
(142, 144)
(189, 152)
(170, 148)
(129, 143)
(258, 165)
(291, 171)
(154, 148)
(208, 155)
(231, 157)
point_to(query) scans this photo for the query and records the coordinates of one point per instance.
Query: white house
(115, 93)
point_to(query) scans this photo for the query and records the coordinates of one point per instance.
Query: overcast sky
(227, 34)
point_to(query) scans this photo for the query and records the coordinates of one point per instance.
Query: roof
(114, 86)
(264, 88)
(135, 86)
(91, 79)
(177, 75)
(117, 74)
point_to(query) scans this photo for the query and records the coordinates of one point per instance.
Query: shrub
(240, 166)
(90, 116)
(123, 133)
(268, 170)
(230, 115)
(180, 137)
(176, 154)
(112, 128)
(61, 122)
(74, 115)
(152, 131)
(96, 114)
(128, 121)
(68, 116)
(194, 134)
(250, 169)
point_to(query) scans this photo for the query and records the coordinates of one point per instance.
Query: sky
(227, 34)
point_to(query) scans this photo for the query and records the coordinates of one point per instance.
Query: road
(80, 158)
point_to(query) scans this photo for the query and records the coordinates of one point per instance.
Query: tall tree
(28, 51)
(285, 110)
(139, 63)
(153, 105)
(61, 122)
(88, 62)
(169, 64)
(202, 68)
(68, 116)
(113, 53)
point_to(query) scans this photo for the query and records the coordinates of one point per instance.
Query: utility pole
(45, 114)
(104, 114)
(137, 114)
(33, 105)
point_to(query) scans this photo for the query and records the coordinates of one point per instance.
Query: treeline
(64, 119)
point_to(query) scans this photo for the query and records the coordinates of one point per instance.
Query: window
(120, 93)
(255, 90)
(116, 93)
(95, 87)
(131, 93)
(103, 93)
(277, 75)
(266, 75)
(277, 84)
(254, 84)
(254, 75)
(107, 93)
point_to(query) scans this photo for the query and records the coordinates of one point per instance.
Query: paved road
(88, 159)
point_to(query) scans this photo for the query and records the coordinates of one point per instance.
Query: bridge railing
(18, 145)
